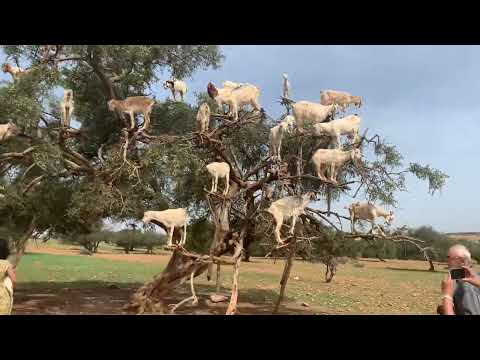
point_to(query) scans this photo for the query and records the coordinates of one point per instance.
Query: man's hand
(447, 291)
(447, 285)
(471, 277)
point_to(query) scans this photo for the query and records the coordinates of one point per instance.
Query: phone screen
(457, 274)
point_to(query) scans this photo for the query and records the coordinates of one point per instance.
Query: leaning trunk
(149, 297)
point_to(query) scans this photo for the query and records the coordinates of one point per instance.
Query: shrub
(129, 240)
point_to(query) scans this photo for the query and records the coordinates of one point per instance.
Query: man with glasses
(462, 298)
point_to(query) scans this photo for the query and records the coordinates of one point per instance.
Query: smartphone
(457, 274)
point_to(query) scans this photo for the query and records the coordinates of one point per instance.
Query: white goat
(235, 98)
(336, 159)
(134, 105)
(341, 98)
(203, 117)
(8, 131)
(176, 86)
(288, 207)
(219, 170)
(304, 111)
(67, 106)
(232, 85)
(171, 219)
(276, 135)
(286, 87)
(349, 125)
(14, 71)
(368, 212)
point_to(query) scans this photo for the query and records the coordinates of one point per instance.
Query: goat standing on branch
(235, 98)
(349, 125)
(171, 219)
(8, 131)
(232, 85)
(176, 86)
(134, 105)
(203, 117)
(341, 98)
(276, 135)
(219, 170)
(304, 111)
(286, 87)
(322, 158)
(288, 207)
(67, 106)
(368, 212)
(14, 71)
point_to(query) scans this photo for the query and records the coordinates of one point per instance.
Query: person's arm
(11, 273)
(447, 298)
(472, 277)
(448, 308)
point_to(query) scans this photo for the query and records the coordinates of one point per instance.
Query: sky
(423, 99)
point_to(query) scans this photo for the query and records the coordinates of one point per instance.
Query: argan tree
(62, 181)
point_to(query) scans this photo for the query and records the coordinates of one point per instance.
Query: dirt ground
(111, 299)
(104, 298)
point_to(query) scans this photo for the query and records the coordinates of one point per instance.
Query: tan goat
(306, 111)
(335, 159)
(14, 71)
(368, 212)
(349, 125)
(8, 131)
(134, 105)
(232, 84)
(67, 107)
(286, 87)
(171, 219)
(235, 98)
(288, 207)
(219, 170)
(341, 98)
(203, 117)
(276, 135)
(176, 86)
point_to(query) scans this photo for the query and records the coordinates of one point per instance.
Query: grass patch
(393, 287)
(70, 269)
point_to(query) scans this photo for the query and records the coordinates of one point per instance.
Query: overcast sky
(424, 99)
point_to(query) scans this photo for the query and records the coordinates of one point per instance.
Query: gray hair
(462, 252)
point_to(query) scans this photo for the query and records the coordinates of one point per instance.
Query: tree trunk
(286, 274)
(149, 297)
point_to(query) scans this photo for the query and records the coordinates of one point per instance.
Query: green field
(365, 287)
(39, 268)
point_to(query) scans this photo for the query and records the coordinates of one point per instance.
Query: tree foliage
(66, 181)
(62, 182)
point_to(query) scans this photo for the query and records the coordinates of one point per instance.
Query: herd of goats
(235, 96)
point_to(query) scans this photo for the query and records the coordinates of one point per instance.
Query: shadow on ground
(98, 297)
(414, 270)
